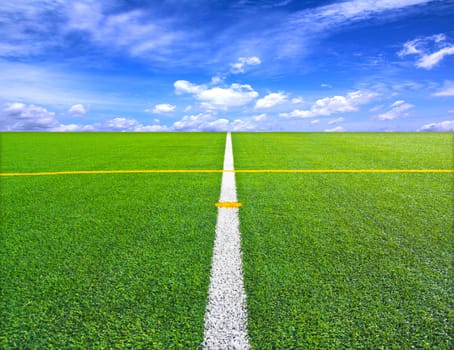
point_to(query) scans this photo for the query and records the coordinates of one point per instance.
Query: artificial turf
(344, 150)
(34, 152)
(335, 261)
(106, 261)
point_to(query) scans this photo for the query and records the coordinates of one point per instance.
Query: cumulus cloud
(77, 110)
(336, 121)
(397, 109)
(430, 50)
(17, 116)
(201, 122)
(218, 97)
(162, 108)
(240, 66)
(130, 124)
(331, 105)
(243, 125)
(447, 90)
(271, 100)
(74, 128)
(444, 126)
(209, 122)
(186, 87)
(234, 96)
(336, 129)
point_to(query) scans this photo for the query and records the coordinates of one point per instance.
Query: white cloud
(259, 118)
(218, 97)
(447, 90)
(297, 100)
(376, 108)
(429, 61)
(331, 105)
(431, 50)
(129, 124)
(77, 110)
(216, 80)
(315, 121)
(201, 122)
(324, 85)
(398, 109)
(336, 121)
(447, 125)
(234, 96)
(336, 129)
(152, 128)
(162, 108)
(271, 100)
(134, 31)
(74, 128)
(17, 116)
(186, 87)
(122, 124)
(298, 113)
(242, 63)
(243, 125)
(398, 103)
(209, 122)
(310, 24)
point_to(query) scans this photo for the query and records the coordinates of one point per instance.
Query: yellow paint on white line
(228, 205)
(195, 171)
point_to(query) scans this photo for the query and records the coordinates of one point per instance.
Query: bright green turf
(24, 152)
(335, 261)
(344, 150)
(106, 261)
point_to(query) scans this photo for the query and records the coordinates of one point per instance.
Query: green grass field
(360, 261)
(24, 152)
(102, 261)
(331, 261)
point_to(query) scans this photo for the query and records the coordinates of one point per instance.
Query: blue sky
(227, 65)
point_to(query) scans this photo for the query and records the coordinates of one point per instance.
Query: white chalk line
(226, 313)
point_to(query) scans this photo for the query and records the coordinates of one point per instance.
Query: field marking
(195, 171)
(226, 313)
(346, 171)
(228, 205)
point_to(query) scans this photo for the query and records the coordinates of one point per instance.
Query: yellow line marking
(347, 171)
(168, 171)
(228, 204)
(90, 172)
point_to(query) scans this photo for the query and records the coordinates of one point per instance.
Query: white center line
(226, 315)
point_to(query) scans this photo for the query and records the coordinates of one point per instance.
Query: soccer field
(330, 260)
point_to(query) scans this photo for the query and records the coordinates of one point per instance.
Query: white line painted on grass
(226, 315)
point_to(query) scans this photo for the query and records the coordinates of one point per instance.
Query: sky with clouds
(227, 65)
